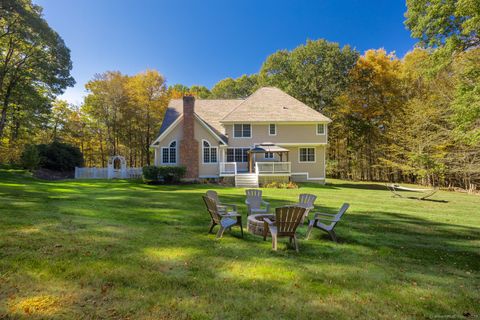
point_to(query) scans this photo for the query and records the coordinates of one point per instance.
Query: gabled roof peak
(272, 104)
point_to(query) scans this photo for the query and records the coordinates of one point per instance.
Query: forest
(413, 119)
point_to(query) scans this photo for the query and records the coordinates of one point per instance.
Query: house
(269, 136)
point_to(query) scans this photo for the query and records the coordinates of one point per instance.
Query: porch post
(250, 162)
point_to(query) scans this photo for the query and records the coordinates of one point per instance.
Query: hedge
(165, 174)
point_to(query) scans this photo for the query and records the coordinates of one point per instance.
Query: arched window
(169, 154)
(209, 153)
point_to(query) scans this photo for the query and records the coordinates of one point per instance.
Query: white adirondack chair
(287, 220)
(224, 220)
(254, 202)
(222, 207)
(326, 222)
(307, 201)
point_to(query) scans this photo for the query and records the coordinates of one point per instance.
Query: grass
(120, 249)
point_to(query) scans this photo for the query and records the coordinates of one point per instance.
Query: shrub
(271, 185)
(167, 174)
(281, 185)
(59, 156)
(30, 158)
(172, 174)
(292, 185)
(55, 156)
(150, 173)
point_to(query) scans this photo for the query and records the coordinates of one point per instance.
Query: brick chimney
(189, 146)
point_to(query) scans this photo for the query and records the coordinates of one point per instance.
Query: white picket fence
(108, 173)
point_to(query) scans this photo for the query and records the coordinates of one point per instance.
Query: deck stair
(246, 180)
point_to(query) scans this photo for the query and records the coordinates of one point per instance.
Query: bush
(166, 174)
(30, 158)
(59, 156)
(150, 173)
(172, 174)
(281, 185)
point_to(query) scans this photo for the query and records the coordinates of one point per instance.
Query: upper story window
(209, 153)
(272, 129)
(320, 129)
(169, 154)
(242, 130)
(306, 154)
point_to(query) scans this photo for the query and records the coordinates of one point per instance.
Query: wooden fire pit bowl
(255, 223)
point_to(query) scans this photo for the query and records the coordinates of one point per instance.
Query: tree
(108, 97)
(121, 115)
(230, 88)
(32, 56)
(420, 137)
(452, 27)
(463, 159)
(315, 73)
(367, 107)
(147, 92)
(177, 91)
(59, 120)
(200, 92)
(466, 102)
(439, 22)
(30, 158)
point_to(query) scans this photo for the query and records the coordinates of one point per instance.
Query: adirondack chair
(306, 201)
(326, 222)
(222, 207)
(254, 202)
(224, 220)
(287, 219)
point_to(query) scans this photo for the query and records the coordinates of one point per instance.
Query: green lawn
(119, 249)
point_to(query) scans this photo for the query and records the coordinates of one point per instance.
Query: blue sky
(202, 42)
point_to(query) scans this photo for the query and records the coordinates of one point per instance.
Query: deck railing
(273, 168)
(228, 168)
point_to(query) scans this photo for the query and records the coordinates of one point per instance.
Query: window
(242, 131)
(269, 155)
(237, 154)
(306, 154)
(320, 129)
(209, 153)
(272, 129)
(169, 155)
(230, 155)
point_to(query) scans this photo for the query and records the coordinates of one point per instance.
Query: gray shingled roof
(273, 105)
(267, 104)
(210, 111)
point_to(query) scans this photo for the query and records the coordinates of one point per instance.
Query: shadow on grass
(429, 200)
(359, 186)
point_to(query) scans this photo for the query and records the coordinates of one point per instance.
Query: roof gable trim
(206, 126)
(166, 132)
(175, 124)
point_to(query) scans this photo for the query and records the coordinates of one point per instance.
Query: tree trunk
(6, 101)
(3, 117)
